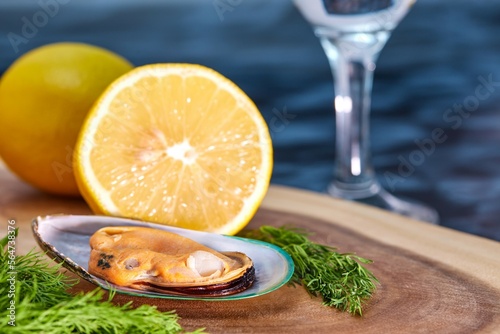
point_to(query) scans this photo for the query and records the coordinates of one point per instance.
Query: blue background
(433, 64)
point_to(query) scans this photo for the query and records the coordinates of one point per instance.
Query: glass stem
(352, 66)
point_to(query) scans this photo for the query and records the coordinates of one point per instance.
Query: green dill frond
(89, 313)
(339, 278)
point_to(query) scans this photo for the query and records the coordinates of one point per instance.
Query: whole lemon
(44, 98)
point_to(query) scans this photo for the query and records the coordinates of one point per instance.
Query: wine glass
(352, 33)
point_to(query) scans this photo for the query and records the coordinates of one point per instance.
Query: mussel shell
(65, 238)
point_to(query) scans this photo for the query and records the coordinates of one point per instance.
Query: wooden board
(432, 279)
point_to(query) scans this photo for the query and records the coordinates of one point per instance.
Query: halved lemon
(176, 144)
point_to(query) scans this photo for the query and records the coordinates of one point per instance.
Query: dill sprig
(88, 313)
(34, 274)
(43, 305)
(339, 278)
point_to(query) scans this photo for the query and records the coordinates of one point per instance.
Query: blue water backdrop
(435, 126)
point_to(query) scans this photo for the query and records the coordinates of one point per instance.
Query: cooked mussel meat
(150, 259)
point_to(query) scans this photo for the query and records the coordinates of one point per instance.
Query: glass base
(378, 197)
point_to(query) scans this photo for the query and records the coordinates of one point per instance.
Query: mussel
(149, 259)
(66, 239)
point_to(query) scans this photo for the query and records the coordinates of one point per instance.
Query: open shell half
(66, 239)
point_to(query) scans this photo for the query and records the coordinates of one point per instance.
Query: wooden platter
(432, 279)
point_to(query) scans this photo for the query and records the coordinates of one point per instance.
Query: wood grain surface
(432, 279)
